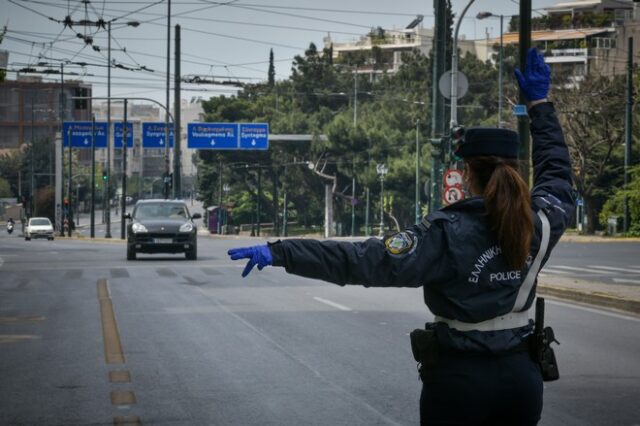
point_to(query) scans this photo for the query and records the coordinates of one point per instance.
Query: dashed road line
(332, 304)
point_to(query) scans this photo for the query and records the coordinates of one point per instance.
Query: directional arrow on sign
(161, 142)
(213, 142)
(253, 142)
(86, 142)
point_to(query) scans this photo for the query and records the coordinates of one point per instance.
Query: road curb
(593, 298)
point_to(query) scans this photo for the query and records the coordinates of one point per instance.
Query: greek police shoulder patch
(401, 243)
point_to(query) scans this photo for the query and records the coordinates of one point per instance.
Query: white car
(38, 227)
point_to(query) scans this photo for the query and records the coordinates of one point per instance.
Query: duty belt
(517, 317)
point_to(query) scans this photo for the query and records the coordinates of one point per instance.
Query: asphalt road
(89, 338)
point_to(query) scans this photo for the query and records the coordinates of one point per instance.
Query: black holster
(424, 345)
(543, 354)
(540, 345)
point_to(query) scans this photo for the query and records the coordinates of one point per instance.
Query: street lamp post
(454, 69)
(108, 189)
(483, 15)
(382, 170)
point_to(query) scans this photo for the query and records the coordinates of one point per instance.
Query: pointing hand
(257, 255)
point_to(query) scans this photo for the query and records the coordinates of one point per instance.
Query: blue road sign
(153, 135)
(117, 134)
(81, 134)
(254, 136)
(212, 135)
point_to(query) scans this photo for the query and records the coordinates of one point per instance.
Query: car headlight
(138, 228)
(187, 227)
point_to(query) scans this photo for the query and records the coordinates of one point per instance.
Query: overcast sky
(222, 39)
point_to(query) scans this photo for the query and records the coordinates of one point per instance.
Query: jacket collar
(468, 204)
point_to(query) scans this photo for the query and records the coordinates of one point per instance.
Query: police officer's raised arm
(552, 187)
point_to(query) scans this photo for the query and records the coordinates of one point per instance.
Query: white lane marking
(1, 262)
(611, 268)
(594, 310)
(8, 255)
(573, 268)
(332, 304)
(626, 280)
(555, 272)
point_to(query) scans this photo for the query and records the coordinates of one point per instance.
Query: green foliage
(366, 122)
(614, 206)
(10, 169)
(5, 189)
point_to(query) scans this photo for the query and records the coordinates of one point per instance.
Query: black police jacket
(452, 254)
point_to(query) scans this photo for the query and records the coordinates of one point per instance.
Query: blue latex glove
(537, 77)
(257, 255)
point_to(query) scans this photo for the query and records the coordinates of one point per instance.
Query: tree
(5, 189)
(271, 74)
(11, 164)
(614, 206)
(592, 116)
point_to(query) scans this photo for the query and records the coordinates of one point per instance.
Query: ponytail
(508, 205)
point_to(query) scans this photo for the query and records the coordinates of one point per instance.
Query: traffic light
(105, 175)
(457, 137)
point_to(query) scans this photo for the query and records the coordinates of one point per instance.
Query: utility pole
(166, 117)
(500, 66)
(220, 189)
(523, 120)
(628, 138)
(107, 216)
(69, 188)
(437, 118)
(60, 170)
(93, 176)
(123, 222)
(353, 168)
(258, 200)
(418, 218)
(177, 181)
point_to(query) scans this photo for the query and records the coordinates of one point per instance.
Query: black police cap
(488, 141)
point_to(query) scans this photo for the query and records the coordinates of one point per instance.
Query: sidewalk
(621, 297)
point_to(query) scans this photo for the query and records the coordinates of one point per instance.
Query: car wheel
(50, 238)
(192, 254)
(27, 238)
(131, 253)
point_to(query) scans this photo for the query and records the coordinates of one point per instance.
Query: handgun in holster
(424, 345)
(541, 349)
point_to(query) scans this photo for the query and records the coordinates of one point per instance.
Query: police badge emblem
(400, 243)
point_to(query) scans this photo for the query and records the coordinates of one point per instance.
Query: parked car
(162, 226)
(38, 227)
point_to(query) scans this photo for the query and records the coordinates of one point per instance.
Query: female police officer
(476, 260)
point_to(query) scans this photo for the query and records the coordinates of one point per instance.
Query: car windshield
(161, 211)
(40, 222)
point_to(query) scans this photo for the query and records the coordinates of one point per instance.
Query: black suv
(162, 226)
